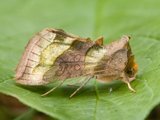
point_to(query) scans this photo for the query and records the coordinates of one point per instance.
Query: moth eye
(130, 71)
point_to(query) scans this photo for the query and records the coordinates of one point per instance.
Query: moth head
(132, 67)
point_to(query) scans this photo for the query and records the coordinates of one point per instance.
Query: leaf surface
(88, 18)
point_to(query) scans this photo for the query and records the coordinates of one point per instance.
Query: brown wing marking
(114, 66)
(94, 55)
(71, 63)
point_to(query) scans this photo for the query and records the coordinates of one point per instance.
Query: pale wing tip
(23, 60)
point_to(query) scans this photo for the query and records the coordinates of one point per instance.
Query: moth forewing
(31, 58)
(40, 54)
(53, 55)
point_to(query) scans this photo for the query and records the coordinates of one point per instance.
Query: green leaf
(19, 20)
(28, 115)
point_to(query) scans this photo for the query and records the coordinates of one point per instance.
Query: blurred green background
(21, 19)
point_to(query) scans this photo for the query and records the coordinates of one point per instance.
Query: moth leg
(83, 84)
(127, 81)
(46, 93)
(131, 79)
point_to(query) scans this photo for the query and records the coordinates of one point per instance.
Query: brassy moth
(53, 54)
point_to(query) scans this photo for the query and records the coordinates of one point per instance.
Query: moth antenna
(46, 93)
(83, 84)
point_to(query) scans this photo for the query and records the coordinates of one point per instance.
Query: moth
(54, 55)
